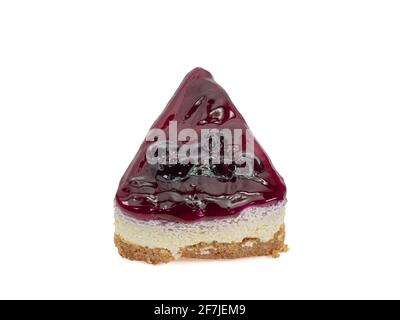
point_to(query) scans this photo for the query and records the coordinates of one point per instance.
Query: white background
(82, 81)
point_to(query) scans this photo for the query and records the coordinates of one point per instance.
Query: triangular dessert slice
(199, 168)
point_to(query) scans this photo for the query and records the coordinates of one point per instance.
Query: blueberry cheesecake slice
(200, 185)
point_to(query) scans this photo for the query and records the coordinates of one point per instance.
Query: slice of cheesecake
(200, 185)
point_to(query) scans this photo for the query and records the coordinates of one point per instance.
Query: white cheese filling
(254, 222)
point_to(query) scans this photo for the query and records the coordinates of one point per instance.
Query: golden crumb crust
(248, 247)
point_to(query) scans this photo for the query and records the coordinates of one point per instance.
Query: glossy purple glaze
(192, 192)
